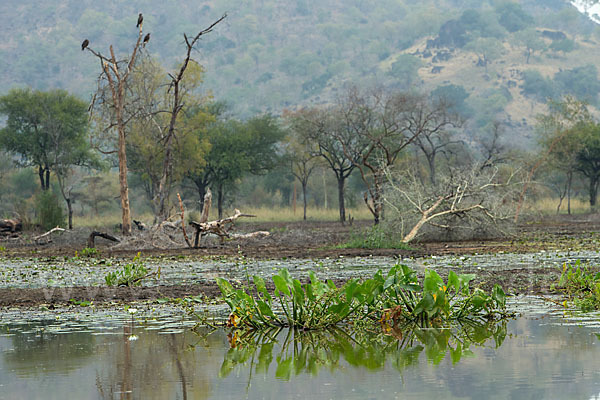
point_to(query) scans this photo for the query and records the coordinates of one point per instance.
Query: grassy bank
(263, 214)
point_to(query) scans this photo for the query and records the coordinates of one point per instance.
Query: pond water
(541, 355)
(51, 272)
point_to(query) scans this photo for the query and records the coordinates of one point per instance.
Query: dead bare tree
(176, 105)
(117, 107)
(383, 124)
(469, 199)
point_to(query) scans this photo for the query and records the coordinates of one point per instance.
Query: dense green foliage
(46, 130)
(49, 212)
(581, 285)
(395, 299)
(236, 148)
(581, 82)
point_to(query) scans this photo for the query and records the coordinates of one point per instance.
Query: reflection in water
(309, 351)
(156, 360)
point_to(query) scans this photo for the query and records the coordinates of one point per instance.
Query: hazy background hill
(271, 55)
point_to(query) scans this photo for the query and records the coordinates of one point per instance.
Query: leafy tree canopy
(513, 17)
(47, 130)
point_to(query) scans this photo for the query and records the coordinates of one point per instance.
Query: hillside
(270, 55)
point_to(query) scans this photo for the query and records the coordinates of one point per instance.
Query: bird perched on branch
(84, 44)
(146, 39)
(140, 20)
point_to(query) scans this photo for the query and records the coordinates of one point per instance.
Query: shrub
(49, 212)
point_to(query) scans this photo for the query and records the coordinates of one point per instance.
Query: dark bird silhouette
(146, 39)
(140, 19)
(84, 44)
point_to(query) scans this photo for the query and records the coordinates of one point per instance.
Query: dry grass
(286, 214)
(548, 205)
(263, 214)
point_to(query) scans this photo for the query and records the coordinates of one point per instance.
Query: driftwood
(91, 240)
(47, 234)
(220, 227)
(11, 225)
(251, 235)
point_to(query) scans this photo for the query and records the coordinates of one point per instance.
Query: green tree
(237, 148)
(529, 39)
(581, 81)
(564, 45)
(454, 96)
(47, 130)
(488, 49)
(560, 137)
(537, 86)
(588, 158)
(513, 17)
(405, 69)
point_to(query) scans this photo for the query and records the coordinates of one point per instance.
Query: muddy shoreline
(301, 241)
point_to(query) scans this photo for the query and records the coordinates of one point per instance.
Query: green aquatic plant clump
(580, 285)
(131, 274)
(393, 300)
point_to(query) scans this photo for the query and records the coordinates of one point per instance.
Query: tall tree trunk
(378, 198)
(220, 200)
(70, 211)
(47, 178)
(41, 175)
(304, 185)
(342, 204)
(569, 182)
(431, 163)
(593, 191)
(124, 188)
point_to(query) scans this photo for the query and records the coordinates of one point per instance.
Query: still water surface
(542, 356)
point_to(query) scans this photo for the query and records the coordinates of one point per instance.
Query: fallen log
(91, 239)
(47, 234)
(220, 227)
(251, 235)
